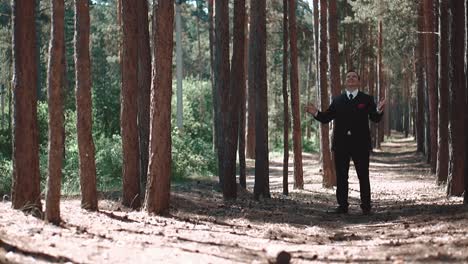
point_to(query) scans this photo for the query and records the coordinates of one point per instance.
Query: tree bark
(84, 122)
(457, 84)
(55, 100)
(129, 107)
(380, 81)
(179, 67)
(419, 65)
(144, 89)
(221, 77)
(213, 86)
(316, 43)
(159, 168)
(258, 75)
(26, 194)
(335, 82)
(251, 108)
(442, 154)
(233, 100)
(465, 198)
(295, 101)
(324, 135)
(242, 108)
(285, 100)
(430, 52)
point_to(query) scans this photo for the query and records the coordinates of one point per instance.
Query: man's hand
(381, 105)
(311, 109)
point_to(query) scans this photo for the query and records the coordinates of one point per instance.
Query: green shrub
(6, 170)
(109, 163)
(192, 150)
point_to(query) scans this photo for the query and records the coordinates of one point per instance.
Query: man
(351, 137)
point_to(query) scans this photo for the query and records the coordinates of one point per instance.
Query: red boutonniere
(361, 106)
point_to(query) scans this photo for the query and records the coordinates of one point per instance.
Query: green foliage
(192, 150)
(6, 169)
(191, 157)
(5, 162)
(109, 163)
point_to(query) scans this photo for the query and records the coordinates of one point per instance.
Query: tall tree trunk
(197, 21)
(295, 101)
(213, 87)
(430, 52)
(324, 101)
(285, 100)
(84, 121)
(335, 82)
(242, 108)
(258, 75)
(442, 154)
(144, 89)
(316, 43)
(457, 80)
(129, 107)
(309, 85)
(380, 81)
(26, 193)
(372, 93)
(231, 105)
(159, 168)
(419, 65)
(465, 198)
(221, 76)
(56, 128)
(251, 108)
(179, 67)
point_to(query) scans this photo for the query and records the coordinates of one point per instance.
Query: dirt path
(412, 221)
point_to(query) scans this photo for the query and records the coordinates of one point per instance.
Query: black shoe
(339, 210)
(366, 211)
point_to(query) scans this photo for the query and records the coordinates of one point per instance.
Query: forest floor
(412, 221)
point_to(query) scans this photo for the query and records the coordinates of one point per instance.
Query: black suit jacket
(351, 125)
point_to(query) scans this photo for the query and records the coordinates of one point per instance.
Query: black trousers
(361, 163)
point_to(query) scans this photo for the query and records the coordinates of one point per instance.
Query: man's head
(352, 81)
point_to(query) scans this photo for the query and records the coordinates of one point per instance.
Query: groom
(351, 137)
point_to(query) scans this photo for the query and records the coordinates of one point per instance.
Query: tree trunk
(251, 108)
(84, 108)
(231, 105)
(159, 168)
(295, 101)
(26, 194)
(316, 43)
(285, 100)
(129, 107)
(144, 89)
(419, 65)
(56, 128)
(258, 75)
(372, 93)
(213, 87)
(457, 126)
(221, 77)
(430, 52)
(465, 198)
(442, 154)
(325, 139)
(179, 68)
(242, 108)
(335, 82)
(197, 21)
(380, 81)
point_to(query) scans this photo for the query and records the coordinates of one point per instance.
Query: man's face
(352, 81)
